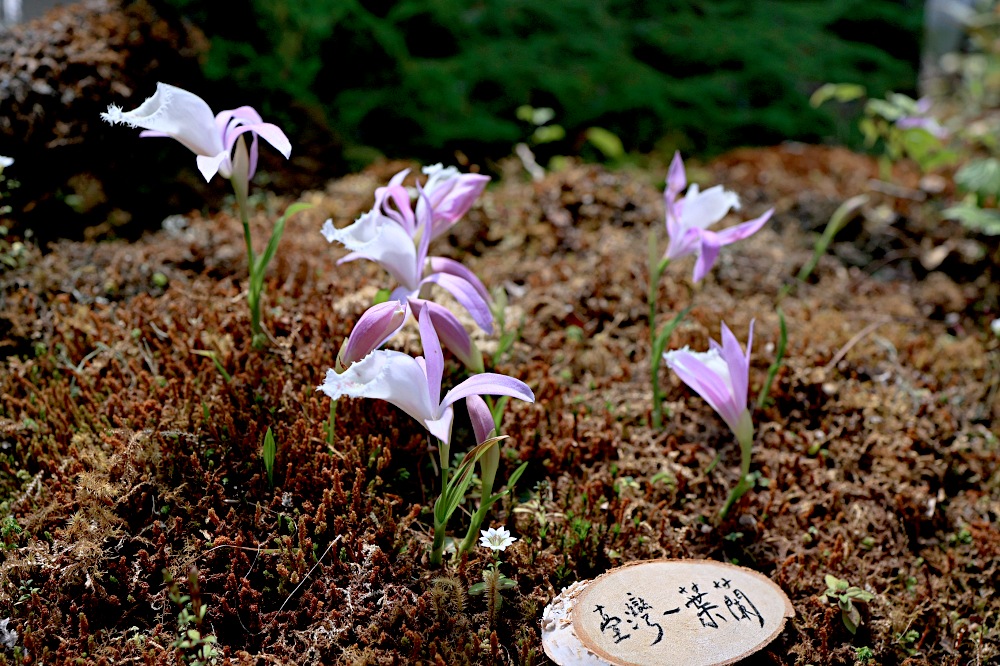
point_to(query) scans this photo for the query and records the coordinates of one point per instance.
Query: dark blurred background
(435, 80)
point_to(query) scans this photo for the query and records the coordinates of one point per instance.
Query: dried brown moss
(125, 454)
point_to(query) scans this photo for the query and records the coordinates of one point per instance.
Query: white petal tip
(114, 116)
(328, 231)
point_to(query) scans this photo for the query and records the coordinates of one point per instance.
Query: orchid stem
(659, 345)
(331, 424)
(746, 481)
(437, 550)
(253, 295)
(779, 357)
(656, 269)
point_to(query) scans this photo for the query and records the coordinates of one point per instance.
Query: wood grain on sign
(679, 613)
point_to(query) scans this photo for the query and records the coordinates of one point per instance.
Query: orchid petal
(403, 212)
(378, 238)
(482, 420)
(452, 333)
(467, 296)
(433, 356)
(270, 132)
(489, 383)
(676, 178)
(209, 166)
(739, 369)
(379, 323)
(743, 230)
(422, 234)
(177, 113)
(708, 252)
(392, 376)
(683, 243)
(451, 197)
(703, 209)
(452, 267)
(707, 374)
(441, 428)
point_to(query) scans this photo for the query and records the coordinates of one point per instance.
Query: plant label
(667, 613)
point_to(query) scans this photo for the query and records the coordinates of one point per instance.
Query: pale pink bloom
(176, 113)
(721, 376)
(689, 219)
(444, 198)
(414, 384)
(379, 238)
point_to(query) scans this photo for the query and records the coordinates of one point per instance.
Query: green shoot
(267, 453)
(779, 357)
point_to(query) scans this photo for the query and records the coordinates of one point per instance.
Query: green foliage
(980, 177)
(779, 357)
(846, 596)
(267, 453)
(494, 582)
(197, 648)
(428, 77)
(453, 494)
(981, 180)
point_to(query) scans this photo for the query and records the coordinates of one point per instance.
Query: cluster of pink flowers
(396, 234)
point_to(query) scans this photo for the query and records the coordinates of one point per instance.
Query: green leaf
(884, 109)
(971, 216)
(859, 594)
(980, 176)
(477, 589)
(458, 484)
(548, 134)
(607, 142)
(841, 92)
(851, 617)
(218, 366)
(919, 144)
(268, 451)
(506, 583)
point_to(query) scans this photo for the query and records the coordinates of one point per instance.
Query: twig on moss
(306, 577)
(858, 337)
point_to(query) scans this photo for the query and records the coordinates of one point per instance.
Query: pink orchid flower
(176, 113)
(922, 119)
(414, 384)
(445, 198)
(721, 377)
(689, 219)
(377, 237)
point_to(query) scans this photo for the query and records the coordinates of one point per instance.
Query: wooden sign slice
(667, 613)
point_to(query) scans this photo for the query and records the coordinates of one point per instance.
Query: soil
(124, 455)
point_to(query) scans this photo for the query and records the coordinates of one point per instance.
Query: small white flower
(995, 327)
(5, 162)
(496, 539)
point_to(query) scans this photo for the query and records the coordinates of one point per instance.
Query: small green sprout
(267, 453)
(863, 654)
(846, 595)
(197, 648)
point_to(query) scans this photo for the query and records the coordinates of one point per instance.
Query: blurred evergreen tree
(426, 77)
